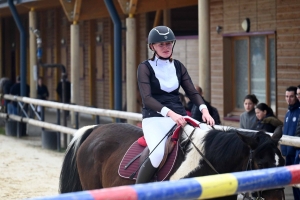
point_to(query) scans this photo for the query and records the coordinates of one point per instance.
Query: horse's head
(264, 149)
(264, 153)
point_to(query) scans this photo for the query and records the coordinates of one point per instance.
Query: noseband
(261, 192)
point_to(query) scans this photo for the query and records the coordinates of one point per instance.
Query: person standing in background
(266, 120)
(68, 91)
(6, 85)
(248, 118)
(297, 160)
(298, 93)
(289, 128)
(16, 90)
(42, 92)
(197, 115)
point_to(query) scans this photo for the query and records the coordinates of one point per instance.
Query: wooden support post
(131, 66)
(167, 17)
(157, 18)
(92, 62)
(75, 67)
(57, 51)
(77, 8)
(68, 7)
(204, 47)
(33, 68)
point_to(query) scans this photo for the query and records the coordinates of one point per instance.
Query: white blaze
(192, 158)
(276, 160)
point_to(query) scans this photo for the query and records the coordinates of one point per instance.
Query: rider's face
(163, 49)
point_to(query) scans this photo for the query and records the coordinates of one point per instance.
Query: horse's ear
(277, 133)
(250, 141)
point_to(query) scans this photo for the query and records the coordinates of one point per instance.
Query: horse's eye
(260, 165)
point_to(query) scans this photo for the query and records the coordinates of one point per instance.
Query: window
(253, 70)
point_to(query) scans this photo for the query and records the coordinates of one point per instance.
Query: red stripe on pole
(295, 171)
(123, 192)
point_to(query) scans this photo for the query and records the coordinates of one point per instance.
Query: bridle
(246, 196)
(198, 150)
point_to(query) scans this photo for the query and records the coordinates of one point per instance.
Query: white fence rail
(80, 109)
(285, 140)
(42, 124)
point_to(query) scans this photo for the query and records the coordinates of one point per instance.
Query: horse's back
(111, 137)
(117, 131)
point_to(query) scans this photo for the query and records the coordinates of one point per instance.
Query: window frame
(230, 108)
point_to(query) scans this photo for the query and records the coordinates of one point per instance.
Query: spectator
(42, 92)
(196, 114)
(6, 85)
(248, 118)
(16, 90)
(182, 99)
(68, 91)
(289, 128)
(298, 93)
(297, 160)
(266, 119)
(189, 104)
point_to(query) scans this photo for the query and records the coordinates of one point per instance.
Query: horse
(93, 156)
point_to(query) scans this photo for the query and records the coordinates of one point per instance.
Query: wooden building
(263, 61)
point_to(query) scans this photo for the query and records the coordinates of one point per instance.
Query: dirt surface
(27, 170)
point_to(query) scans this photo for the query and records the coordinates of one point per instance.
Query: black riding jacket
(155, 98)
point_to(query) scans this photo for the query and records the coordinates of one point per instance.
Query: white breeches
(155, 128)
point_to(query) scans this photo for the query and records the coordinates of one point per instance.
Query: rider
(159, 79)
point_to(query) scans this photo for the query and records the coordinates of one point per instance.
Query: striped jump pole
(194, 188)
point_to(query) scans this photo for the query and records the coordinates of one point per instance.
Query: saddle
(138, 152)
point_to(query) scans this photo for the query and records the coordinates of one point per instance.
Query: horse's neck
(192, 158)
(197, 133)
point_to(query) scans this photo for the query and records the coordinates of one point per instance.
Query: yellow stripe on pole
(221, 184)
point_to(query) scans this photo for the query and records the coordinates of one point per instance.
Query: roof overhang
(24, 6)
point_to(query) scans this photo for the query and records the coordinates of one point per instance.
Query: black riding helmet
(161, 34)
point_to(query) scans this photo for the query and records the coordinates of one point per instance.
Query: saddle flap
(131, 162)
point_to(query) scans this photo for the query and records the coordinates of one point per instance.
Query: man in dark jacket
(289, 128)
(197, 115)
(7, 84)
(298, 124)
(42, 92)
(16, 90)
(68, 91)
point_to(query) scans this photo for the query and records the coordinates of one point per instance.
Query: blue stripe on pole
(86, 195)
(262, 179)
(183, 189)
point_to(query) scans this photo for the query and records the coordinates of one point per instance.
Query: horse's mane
(222, 146)
(218, 146)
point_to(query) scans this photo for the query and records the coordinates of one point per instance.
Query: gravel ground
(26, 169)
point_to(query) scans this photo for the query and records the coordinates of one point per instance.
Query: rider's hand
(180, 121)
(207, 118)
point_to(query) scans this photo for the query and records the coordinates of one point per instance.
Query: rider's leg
(154, 128)
(146, 172)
